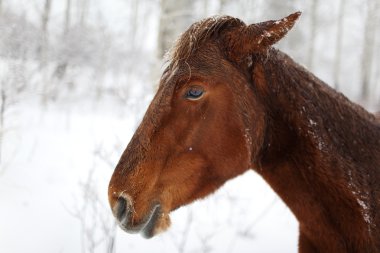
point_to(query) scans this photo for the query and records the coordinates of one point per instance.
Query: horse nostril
(122, 208)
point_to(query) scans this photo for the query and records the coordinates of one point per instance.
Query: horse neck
(319, 147)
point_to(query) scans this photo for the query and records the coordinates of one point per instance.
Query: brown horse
(229, 102)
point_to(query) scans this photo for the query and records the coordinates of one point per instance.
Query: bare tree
(44, 46)
(44, 31)
(61, 67)
(67, 17)
(278, 8)
(3, 104)
(12, 86)
(44, 27)
(313, 32)
(373, 7)
(180, 239)
(338, 44)
(205, 8)
(97, 226)
(222, 6)
(134, 20)
(46, 15)
(176, 16)
(83, 11)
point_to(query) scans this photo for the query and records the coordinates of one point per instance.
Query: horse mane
(315, 105)
(300, 79)
(340, 135)
(199, 32)
(377, 114)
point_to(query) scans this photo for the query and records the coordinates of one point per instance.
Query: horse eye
(194, 93)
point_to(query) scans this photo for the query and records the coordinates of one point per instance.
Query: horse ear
(267, 33)
(257, 37)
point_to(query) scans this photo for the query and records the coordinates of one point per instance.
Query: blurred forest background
(76, 77)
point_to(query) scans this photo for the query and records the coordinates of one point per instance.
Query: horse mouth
(147, 227)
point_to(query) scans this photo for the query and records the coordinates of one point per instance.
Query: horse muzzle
(123, 211)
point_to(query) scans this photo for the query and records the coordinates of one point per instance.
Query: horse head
(203, 127)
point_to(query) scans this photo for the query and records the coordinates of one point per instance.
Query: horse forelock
(197, 34)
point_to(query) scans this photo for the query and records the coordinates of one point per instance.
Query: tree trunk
(368, 49)
(205, 8)
(44, 48)
(339, 44)
(134, 21)
(46, 15)
(67, 18)
(176, 16)
(313, 32)
(222, 6)
(3, 99)
(44, 30)
(83, 11)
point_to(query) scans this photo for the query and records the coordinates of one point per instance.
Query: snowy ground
(59, 162)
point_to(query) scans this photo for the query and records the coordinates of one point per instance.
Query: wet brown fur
(261, 110)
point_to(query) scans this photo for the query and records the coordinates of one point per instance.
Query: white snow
(267, 34)
(59, 145)
(362, 200)
(313, 132)
(312, 122)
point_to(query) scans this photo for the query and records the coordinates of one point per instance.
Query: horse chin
(161, 224)
(154, 223)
